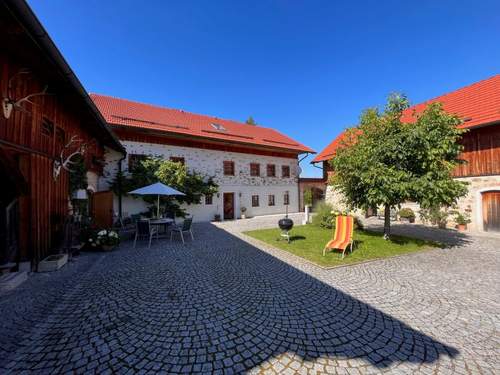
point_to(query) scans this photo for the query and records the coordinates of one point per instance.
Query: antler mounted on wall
(9, 102)
(65, 161)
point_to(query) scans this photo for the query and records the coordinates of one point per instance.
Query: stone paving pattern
(228, 304)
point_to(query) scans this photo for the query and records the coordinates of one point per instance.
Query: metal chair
(144, 230)
(170, 215)
(186, 227)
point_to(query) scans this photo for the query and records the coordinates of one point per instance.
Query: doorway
(228, 206)
(491, 211)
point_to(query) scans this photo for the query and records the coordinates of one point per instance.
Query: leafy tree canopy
(173, 174)
(385, 162)
(250, 121)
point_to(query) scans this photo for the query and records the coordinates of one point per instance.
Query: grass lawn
(308, 241)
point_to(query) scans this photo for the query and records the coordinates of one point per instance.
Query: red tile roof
(123, 112)
(477, 105)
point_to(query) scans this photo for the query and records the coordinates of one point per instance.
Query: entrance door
(491, 211)
(102, 208)
(228, 206)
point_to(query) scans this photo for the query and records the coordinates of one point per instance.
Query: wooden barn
(478, 105)
(46, 117)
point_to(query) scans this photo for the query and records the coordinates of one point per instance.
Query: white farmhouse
(255, 167)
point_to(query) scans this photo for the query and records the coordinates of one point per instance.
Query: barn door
(491, 211)
(102, 209)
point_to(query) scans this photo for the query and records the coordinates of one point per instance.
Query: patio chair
(185, 227)
(144, 230)
(342, 238)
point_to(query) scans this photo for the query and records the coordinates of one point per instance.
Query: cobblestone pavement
(227, 304)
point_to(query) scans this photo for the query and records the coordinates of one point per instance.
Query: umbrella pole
(158, 207)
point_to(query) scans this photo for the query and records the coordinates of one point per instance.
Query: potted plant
(107, 239)
(407, 214)
(462, 219)
(243, 210)
(216, 217)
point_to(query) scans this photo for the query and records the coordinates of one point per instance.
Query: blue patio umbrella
(156, 189)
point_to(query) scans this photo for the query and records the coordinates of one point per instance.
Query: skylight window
(218, 126)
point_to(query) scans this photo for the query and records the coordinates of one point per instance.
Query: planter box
(52, 263)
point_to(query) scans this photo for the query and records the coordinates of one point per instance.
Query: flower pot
(243, 216)
(462, 227)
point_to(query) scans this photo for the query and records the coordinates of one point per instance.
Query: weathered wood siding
(44, 206)
(481, 152)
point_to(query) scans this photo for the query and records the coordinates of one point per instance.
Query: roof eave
(198, 137)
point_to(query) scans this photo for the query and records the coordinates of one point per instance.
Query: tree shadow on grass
(215, 303)
(420, 232)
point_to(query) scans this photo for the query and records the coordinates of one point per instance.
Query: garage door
(491, 211)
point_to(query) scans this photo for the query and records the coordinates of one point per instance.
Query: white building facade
(260, 195)
(256, 168)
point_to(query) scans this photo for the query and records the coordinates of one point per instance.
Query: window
(47, 127)
(254, 169)
(134, 161)
(177, 159)
(271, 200)
(255, 201)
(286, 199)
(218, 126)
(271, 170)
(228, 168)
(285, 171)
(209, 199)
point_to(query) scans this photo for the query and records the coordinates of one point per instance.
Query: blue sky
(306, 68)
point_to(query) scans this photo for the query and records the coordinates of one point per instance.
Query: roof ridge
(157, 106)
(456, 91)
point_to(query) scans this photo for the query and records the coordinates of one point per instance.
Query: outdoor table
(161, 223)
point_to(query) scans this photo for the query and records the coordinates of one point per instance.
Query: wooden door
(102, 209)
(228, 206)
(491, 211)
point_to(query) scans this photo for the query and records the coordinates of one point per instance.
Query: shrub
(406, 213)
(435, 216)
(323, 216)
(462, 218)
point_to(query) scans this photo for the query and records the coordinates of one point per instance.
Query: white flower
(90, 239)
(102, 232)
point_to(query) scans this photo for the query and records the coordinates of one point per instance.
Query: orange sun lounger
(342, 238)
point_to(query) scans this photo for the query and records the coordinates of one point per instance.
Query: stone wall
(471, 203)
(210, 163)
(473, 200)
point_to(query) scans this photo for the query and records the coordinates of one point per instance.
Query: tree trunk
(387, 221)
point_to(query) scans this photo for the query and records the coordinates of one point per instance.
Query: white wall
(210, 163)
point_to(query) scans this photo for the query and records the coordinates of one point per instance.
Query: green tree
(308, 197)
(176, 175)
(250, 121)
(385, 162)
